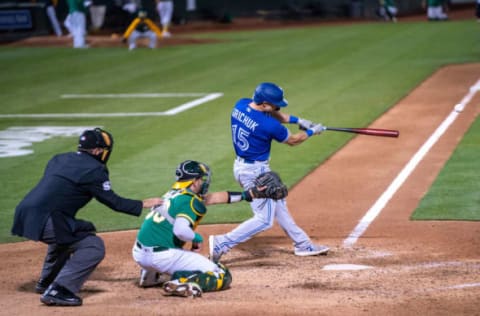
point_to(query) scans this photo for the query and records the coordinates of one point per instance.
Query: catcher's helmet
(190, 170)
(270, 93)
(97, 138)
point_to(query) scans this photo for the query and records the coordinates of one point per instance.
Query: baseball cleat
(214, 253)
(58, 295)
(312, 250)
(189, 289)
(151, 278)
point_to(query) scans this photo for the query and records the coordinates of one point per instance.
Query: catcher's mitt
(268, 185)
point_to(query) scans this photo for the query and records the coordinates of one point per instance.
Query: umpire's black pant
(70, 265)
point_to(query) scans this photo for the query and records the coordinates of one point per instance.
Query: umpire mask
(96, 138)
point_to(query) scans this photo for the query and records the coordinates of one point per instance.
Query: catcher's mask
(96, 138)
(190, 170)
(268, 92)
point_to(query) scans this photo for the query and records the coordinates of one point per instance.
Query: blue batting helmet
(270, 93)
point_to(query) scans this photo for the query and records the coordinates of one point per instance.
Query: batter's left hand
(304, 124)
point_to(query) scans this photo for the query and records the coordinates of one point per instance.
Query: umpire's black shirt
(70, 181)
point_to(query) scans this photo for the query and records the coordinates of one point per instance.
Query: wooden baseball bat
(365, 131)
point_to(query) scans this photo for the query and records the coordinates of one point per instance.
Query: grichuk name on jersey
(245, 119)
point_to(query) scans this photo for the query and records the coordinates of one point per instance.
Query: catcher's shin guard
(226, 278)
(131, 27)
(153, 27)
(208, 281)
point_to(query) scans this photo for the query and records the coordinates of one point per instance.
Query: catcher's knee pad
(226, 279)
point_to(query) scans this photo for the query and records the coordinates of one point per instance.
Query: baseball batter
(168, 227)
(255, 123)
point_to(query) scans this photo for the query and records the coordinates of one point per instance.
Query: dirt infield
(421, 268)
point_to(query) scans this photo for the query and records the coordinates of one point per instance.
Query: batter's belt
(250, 161)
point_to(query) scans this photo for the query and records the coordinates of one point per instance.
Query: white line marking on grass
(17, 140)
(375, 210)
(193, 103)
(173, 111)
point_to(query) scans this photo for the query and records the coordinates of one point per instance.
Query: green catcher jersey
(157, 229)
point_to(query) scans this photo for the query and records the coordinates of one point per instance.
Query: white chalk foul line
(375, 210)
(173, 111)
(461, 286)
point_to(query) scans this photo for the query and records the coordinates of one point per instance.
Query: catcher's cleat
(189, 289)
(58, 295)
(151, 278)
(214, 252)
(312, 250)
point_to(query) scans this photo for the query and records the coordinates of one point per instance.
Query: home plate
(346, 267)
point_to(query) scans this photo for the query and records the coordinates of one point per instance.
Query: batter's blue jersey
(253, 131)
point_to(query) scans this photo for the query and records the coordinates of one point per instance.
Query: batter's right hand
(317, 129)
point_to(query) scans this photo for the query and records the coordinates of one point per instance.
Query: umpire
(47, 214)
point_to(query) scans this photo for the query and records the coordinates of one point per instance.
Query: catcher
(159, 248)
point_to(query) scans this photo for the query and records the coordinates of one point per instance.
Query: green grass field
(455, 194)
(347, 75)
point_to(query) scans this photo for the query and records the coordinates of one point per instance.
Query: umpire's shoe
(41, 286)
(59, 296)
